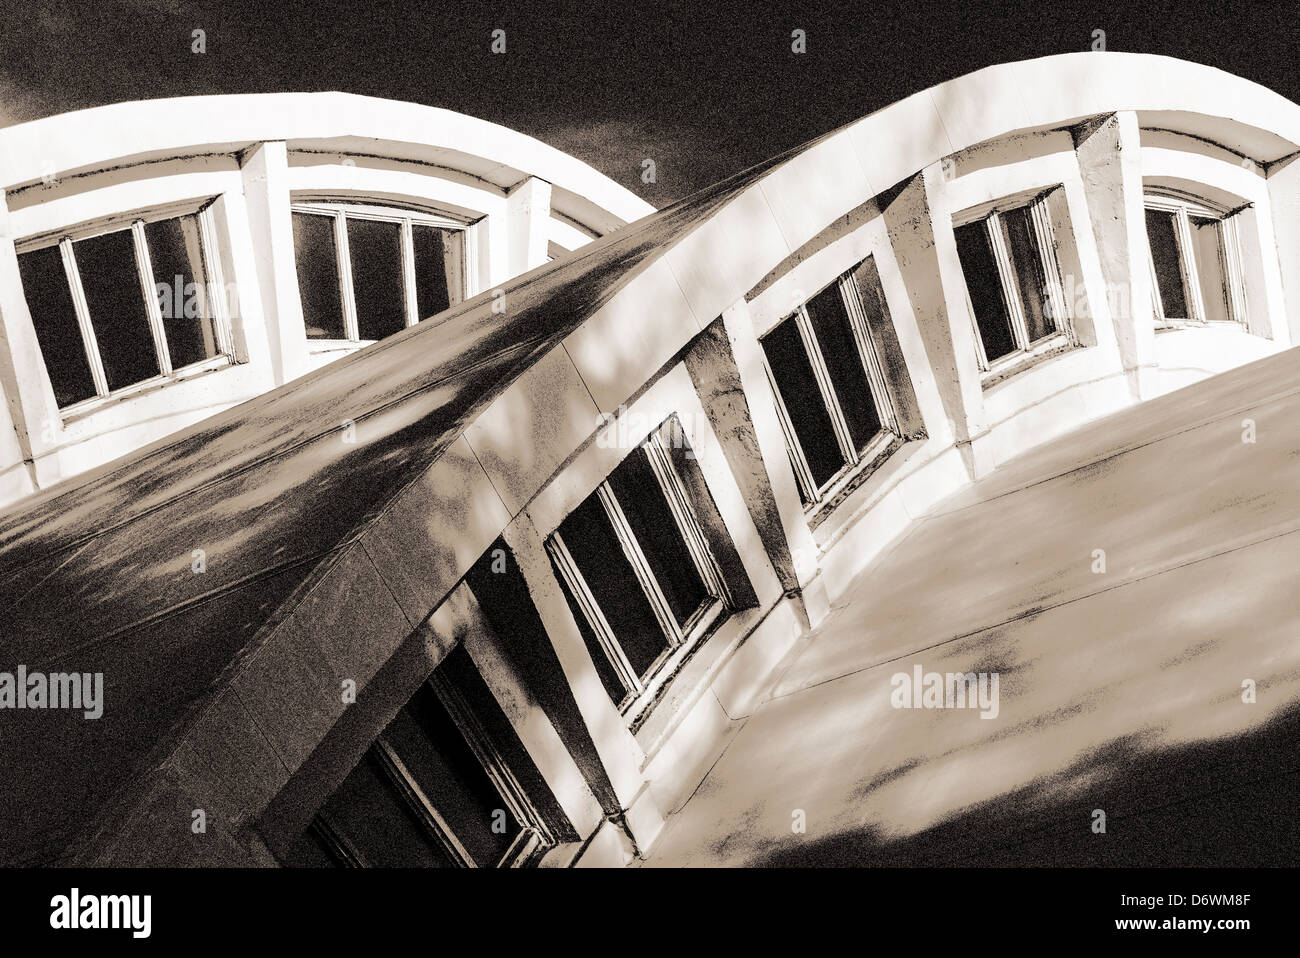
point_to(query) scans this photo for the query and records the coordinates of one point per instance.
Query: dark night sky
(705, 89)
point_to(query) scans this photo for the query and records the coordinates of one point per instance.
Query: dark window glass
(1207, 243)
(985, 287)
(1027, 262)
(1162, 235)
(370, 812)
(433, 261)
(590, 539)
(639, 494)
(375, 248)
(118, 314)
(176, 254)
(442, 763)
(798, 387)
(318, 276)
(604, 667)
(45, 284)
(830, 323)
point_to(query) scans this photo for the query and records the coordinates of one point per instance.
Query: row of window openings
(128, 307)
(363, 276)
(829, 383)
(1195, 264)
(637, 569)
(435, 790)
(119, 310)
(1014, 285)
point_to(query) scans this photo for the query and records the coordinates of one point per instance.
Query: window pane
(1025, 259)
(985, 287)
(111, 281)
(1162, 235)
(380, 825)
(376, 251)
(830, 323)
(590, 539)
(1207, 244)
(604, 667)
(798, 387)
(45, 284)
(176, 253)
(435, 259)
(441, 762)
(639, 494)
(318, 276)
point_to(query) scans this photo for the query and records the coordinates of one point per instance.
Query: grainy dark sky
(704, 88)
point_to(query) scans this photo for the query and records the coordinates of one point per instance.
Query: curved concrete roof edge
(119, 133)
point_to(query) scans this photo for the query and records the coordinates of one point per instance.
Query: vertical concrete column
(30, 425)
(528, 210)
(618, 750)
(526, 716)
(773, 496)
(920, 234)
(1109, 153)
(1284, 205)
(270, 223)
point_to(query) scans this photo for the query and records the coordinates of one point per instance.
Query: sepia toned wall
(677, 335)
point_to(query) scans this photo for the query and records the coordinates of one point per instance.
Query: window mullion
(850, 294)
(802, 471)
(345, 277)
(1009, 282)
(419, 803)
(1231, 245)
(144, 269)
(670, 483)
(214, 297)
(839, 424)
(493, 763)
(1040, 218)
(408, 274)
(588, 608)
(640, 566)
(1191, 276)
(83, 318)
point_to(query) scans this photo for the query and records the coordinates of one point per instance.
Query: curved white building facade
(217, 186)
(724, 411)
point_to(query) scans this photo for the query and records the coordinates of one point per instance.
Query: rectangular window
(365, 273)
(637, 569)
(435, 790)
(1013, 285)
(1194, 262)
(115, 309)
(832, 398)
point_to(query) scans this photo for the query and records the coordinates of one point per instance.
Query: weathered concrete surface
(1119, 691)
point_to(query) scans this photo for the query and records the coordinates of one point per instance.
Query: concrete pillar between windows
(266, 191)
(617, 748)
(528, 211)
(781, 524)
(920, 232)
(1284, 198)
(30, 425)
(1109, 153)
(525, 714)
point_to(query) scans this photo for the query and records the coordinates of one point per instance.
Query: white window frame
(871, 363)
(340, 213)
(1184, 208)
(1009, 286)
(534, 834)
(640, 691)
(214, 296)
